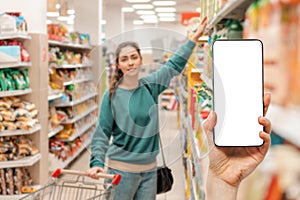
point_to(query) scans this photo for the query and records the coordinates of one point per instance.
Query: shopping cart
(77, 189)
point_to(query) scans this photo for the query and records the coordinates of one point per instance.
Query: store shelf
(78, 101)
(77, 81)
(15, 92)
(24, 162)
(79, 132)
(70, 66)
(55, 163)
(206, 80)
(17, 197)
(12, 65)
(197, 70)
(234, 9)
(80, 116)
(21, 132)
(55, 131)
(54, 96)
(21, 36)
(68, 45)
(12, 197)
(285, 122)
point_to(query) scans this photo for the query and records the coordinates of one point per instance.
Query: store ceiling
(181, 6)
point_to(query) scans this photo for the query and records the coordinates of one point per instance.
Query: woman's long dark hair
(118, 74)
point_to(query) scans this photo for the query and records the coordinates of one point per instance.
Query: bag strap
(159, 138)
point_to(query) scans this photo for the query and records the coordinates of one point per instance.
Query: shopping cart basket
(77, 189)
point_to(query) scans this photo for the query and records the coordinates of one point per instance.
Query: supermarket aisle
(172, 149)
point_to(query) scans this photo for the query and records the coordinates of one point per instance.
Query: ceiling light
(145, 12)
(70, 11)
(142, 6)
(167, 19)
(165, 9)
(150, 21)
(138, 22)
(164, 3)
(198, 10)
(148, 17)
(52, 14)
(166, 14)
(127, 9)
(57, 6)
(62, 18)
(138, 1)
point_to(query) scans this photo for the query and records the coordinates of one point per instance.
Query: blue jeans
(135, 186)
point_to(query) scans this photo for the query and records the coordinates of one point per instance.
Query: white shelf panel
(17, 64)
(207, 80)
(20, 35)
(17, 197)
(78, 101)
(27, 161)
(285, 122)
(21, 132)
(77, 81)
(54, 96)
(234, 9)
(82, 115)
(55, 131)
(197, 70)
(70, 66)
(55, 163)
(15, 92)
(68, 45)
(79, 132)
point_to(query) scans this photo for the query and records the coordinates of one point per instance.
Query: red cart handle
(116, 177)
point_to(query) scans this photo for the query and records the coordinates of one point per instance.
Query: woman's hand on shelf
(200, 30)
(228, 166)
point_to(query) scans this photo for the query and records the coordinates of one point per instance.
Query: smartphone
(238, 79)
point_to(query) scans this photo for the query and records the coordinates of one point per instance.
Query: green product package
(235, 29)
(9, 80)
(3, 84)
(18, 83)
(24, 72)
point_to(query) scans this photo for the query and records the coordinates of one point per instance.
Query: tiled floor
(172, 149)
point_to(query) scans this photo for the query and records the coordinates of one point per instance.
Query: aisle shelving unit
(234, 9)
(86, 127)
(34, 44)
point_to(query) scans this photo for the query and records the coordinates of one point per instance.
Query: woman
(129, 115)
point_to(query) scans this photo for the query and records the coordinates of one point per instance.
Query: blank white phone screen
(238, 91)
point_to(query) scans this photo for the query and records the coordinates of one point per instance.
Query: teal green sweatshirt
(130, 118)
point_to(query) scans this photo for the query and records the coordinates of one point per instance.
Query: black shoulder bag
(164, 174)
